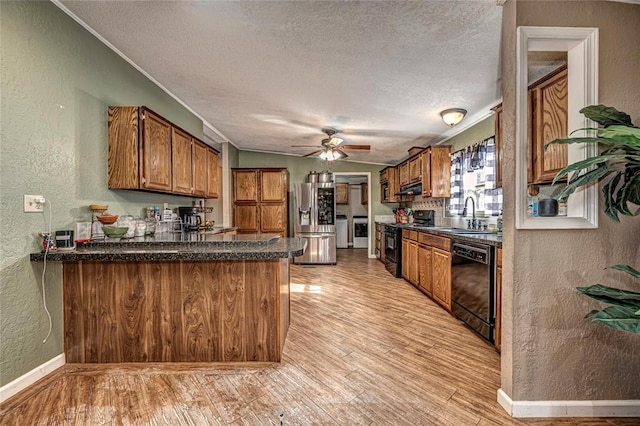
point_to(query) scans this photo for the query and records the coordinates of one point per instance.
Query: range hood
(413, 189)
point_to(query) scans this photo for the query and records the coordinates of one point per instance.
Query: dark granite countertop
(492, 239)
(187, 246)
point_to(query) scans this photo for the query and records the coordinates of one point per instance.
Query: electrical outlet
(33, 203)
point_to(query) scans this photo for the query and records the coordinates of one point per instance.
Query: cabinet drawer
(410, 235)
(442, 243)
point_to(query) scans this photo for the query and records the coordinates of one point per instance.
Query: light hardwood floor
(363, 348)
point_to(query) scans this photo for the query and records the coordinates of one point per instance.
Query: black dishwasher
(472, 286)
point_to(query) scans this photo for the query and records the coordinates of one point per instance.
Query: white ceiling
(271, 74)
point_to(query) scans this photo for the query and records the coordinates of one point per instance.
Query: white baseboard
(26, 380)
(597, 408)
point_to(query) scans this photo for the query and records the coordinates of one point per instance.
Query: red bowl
(108, 219)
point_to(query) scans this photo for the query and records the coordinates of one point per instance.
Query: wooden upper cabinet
(123, 150)
(342, 193)
(155, 150)
(436, 171)
(548, 115)
(415, 168)
(181, 162)
(404, 173)
(273, 184)
(199, 169)
(498, 141)
(245, 185)
(147, 152)
(364, 193)
(213, 180)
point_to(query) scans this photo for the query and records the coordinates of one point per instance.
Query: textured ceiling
(268, 75)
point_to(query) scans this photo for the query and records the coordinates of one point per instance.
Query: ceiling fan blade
(313, 153)
(359, 147)
(306, 146)
(344, 154)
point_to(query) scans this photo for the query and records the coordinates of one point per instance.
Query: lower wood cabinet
(426, 263)
(441, 267)
(425, 266)
(273, 217)
(405, 258)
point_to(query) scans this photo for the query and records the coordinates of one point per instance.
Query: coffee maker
(190, 218)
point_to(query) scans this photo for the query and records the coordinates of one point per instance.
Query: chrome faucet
(472, 225)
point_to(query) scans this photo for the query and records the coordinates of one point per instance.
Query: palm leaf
(585, 164)
(619, 317)
(580, 180)
(609, 202)
(626, 268)
(606, 116)
(612, 296)
(630, 135)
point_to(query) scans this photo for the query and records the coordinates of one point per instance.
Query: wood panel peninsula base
(177, 310)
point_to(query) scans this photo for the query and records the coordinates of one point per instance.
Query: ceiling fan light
(453, 116)
(336, 141)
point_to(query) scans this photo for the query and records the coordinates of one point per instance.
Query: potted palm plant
(618, 167)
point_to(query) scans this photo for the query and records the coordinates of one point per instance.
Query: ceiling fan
(331, 147)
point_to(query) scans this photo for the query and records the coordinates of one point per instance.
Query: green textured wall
(299, 167)
(57, 82)
(474, 134)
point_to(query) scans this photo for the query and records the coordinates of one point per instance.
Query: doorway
(356, 209)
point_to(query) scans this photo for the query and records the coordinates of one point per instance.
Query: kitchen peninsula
(220, 298)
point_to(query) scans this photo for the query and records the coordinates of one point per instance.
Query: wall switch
(33, 203)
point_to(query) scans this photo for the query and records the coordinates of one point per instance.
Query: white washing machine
(360, 232)
(342, 231)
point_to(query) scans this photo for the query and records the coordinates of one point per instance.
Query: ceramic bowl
(99, 208)
(108, 219)
(114, 231)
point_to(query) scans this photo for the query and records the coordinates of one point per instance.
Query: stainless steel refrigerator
(315, 221)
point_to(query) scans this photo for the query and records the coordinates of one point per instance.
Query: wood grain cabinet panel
(199, 169)
(245, 185)
(147, 152)
(413, 263)
(436, 172)
(246, 218)
(342, 193)
(425, 280)
(404, 173)
(273, 185)
(123, 149)
(441, 261)
(405, 258)
(156, 152)
(549, 118)
(181, 156)
(262, 195)
(213, 171)
(415, 168)
(272, 217)
(364, 193)
(146, 311)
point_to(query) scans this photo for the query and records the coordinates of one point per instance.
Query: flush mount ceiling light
(453, 116)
